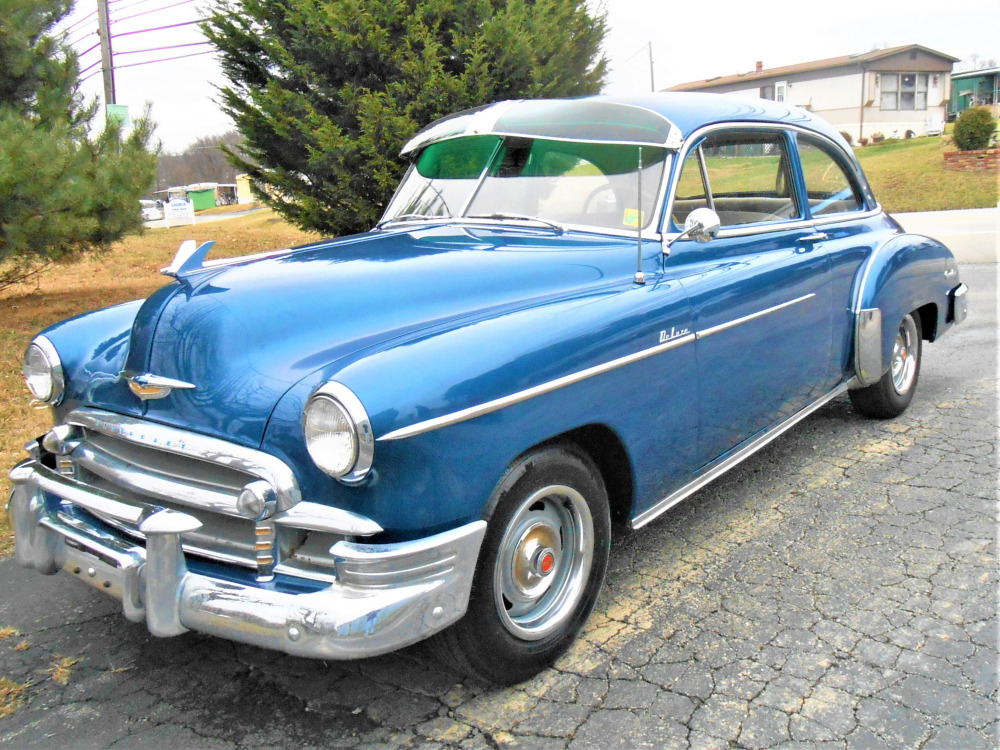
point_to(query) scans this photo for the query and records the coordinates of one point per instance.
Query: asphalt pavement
(837, 590)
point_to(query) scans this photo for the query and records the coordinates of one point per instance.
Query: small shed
(974, 88)
(243, 194)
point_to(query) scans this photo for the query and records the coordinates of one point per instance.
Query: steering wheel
(590, 204)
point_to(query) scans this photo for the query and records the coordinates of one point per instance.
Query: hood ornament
(190, 259)
(150, 387)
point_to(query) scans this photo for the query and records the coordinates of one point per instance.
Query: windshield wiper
(518, 217)
(408, 217)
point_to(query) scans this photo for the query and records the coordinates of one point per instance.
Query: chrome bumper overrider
(386, 595)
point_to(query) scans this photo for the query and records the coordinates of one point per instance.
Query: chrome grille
(150, 466)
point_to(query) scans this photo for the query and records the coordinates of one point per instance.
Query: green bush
(973, 129)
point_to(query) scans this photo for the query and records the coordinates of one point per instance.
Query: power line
(154, 10)
(165, 59)
(72, 26)
(156, 28)
(157, 49)
(89, 49)
(81, 38)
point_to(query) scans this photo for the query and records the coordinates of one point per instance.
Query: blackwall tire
(540, 569)
(890, 396)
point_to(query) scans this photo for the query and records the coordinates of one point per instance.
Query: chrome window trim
(193, 445)
(723, 465)
(463, 415)
(683, 152)
(409, 225)
(362, 428)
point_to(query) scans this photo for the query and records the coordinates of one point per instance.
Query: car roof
(662, 119)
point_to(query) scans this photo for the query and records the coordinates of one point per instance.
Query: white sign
(178, 210)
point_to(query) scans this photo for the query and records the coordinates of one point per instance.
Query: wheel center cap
(545, 561)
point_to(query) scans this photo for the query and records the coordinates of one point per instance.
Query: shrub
(973, 129)
(877, 137)
(847, 137)
(863, 141)
(909, 134)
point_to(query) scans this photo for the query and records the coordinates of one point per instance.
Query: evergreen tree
(327, 92)
(62, 190)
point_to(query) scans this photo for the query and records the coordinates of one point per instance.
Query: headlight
(43, 371)
(338, 434)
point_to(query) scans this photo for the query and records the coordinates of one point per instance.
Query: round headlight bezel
(344, 399)
(56, 379)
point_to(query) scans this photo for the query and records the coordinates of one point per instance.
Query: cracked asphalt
(837, 590)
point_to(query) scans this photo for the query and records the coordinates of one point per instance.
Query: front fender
(905, 273)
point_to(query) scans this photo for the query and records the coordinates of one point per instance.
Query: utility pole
(652, 86)
(104, 33)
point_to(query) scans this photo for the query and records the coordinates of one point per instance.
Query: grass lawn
(910, 176)
(130, 270)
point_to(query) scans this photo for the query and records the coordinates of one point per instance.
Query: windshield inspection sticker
(631, 218)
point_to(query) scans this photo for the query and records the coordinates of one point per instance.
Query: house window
(767, 92)
(780, 91)
(904, 91)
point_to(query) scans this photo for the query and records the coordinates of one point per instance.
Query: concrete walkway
(971, 234)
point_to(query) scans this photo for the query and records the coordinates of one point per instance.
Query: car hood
(244, 335)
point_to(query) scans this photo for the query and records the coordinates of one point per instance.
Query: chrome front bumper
(386, 595)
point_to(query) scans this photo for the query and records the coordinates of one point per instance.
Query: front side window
(516, 177)
(747, 179)
(830, 188)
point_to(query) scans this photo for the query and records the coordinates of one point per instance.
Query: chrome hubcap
(904, 356)
(544, 561)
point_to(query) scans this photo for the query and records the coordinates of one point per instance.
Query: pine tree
(327, 93)
(63, 191)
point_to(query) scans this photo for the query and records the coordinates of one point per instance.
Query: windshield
(552, 181)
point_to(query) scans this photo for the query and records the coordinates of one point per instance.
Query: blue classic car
(572, 312)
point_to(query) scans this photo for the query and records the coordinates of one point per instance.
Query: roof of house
(975, 73)
(830, 62)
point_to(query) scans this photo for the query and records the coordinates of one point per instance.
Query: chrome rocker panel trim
(391, 595)
(725, 464)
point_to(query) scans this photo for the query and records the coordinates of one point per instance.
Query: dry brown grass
(11, 696)
(130, 270)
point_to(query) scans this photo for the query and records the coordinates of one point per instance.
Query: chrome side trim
(472, 412)
(193, 445)
(753, 316)
(723, 465)
(868, 365)
(515, 398)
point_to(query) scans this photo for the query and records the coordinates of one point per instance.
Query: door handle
(818, 237)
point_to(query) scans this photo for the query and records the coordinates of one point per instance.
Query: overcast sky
(728, 37)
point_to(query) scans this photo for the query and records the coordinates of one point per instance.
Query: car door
(759, 292)
(838, 208)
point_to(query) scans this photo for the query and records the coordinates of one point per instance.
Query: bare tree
(202, 161)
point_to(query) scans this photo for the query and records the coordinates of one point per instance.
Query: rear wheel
(540, 569)
(890, 396)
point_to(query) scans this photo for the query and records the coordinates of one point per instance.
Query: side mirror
(701, 225)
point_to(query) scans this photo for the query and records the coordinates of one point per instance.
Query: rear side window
(745, 177)
(830, 187)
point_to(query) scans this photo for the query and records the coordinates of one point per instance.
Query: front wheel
(540, 569)
(890, 396)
